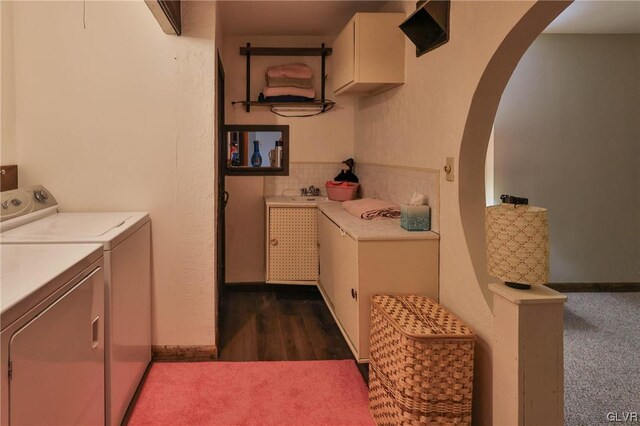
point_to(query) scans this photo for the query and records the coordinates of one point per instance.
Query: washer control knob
(44, 195)
(5, 204)
(16, 202)
(38, 195)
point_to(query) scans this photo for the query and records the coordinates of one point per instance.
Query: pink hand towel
(290, 71)
(371, 208)
(288, 91)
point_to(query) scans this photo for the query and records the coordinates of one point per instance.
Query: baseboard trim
(262, 286)
(166, 353)
(596, 287)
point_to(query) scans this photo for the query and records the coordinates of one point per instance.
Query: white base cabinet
(292, 245)
(352, 269)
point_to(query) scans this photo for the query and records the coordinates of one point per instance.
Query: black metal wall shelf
(324, 104)
(285, 51)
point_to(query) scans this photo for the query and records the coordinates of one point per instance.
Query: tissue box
(415, 218)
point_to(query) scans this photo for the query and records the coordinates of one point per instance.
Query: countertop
(370, 230)
(288, 201)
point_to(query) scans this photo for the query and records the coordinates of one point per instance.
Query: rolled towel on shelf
(288, 91)
(304, 83)
(371, 208)
(301, 71)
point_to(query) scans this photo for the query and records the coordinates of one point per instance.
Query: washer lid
(72, 225)
(108, 229)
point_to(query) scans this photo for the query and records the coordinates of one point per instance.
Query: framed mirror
(257, 150)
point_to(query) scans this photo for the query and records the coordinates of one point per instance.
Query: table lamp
(518, 243)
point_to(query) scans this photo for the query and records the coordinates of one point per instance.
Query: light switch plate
(448, 169)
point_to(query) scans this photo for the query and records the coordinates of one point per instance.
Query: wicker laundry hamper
(421, 363)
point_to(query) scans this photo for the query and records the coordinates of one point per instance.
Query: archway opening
(566, 137)
(478, 133)
(479, 124)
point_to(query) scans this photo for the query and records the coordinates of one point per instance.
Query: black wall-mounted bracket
(168, 15)
(428, 26)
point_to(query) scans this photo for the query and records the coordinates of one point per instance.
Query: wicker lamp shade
(518, 244)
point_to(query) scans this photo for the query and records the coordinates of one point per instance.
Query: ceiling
(327, 17)
(310, 18)
(598, 17)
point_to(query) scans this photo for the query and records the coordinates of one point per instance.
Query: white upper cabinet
(368, 54)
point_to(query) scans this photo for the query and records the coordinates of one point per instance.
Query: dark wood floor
(279, 323)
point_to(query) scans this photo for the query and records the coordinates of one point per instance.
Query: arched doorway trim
(475, 139)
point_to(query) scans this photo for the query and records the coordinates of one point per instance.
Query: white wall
(567, 136)
(424, 121)
(489, 174)
(327, 137)
(8, 148)
(120, 116)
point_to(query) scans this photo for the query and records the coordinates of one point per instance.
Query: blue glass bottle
(256, 158)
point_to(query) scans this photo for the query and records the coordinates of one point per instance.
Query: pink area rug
(253, 393)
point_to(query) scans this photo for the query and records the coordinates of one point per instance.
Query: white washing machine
(52, 334)
(30, 215)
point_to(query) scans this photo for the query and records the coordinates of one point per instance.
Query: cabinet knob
(354, 294)
(274, 242)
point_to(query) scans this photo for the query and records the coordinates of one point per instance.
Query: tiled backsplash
(301, 175)
(397, 184)
(391, 183)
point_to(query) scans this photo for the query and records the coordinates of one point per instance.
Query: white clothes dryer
(52, 334)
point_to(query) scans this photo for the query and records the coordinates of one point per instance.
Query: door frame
(222, 195)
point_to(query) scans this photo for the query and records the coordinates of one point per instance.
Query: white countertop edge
(283, 201)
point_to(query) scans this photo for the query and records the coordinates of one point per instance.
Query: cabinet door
(58, 361)
(339, 275)
(380, 48)
(368, 54)
(346, 285)
(293, 244)
(329, 237)
(344, 56)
